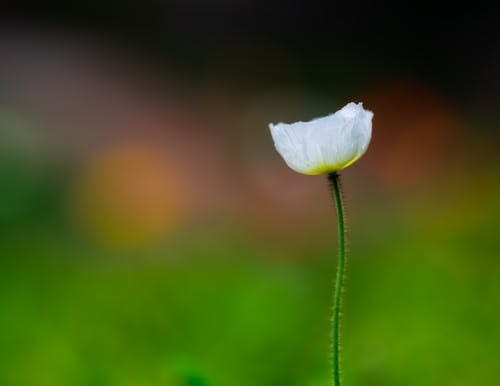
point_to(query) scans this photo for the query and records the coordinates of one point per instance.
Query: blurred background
(151, 235)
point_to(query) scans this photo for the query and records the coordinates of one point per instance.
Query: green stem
(334, 179)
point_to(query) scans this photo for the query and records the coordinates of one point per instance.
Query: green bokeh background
(215, 306)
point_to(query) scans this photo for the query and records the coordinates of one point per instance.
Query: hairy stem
(334, 179)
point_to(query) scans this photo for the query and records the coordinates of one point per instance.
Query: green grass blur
(216, 306)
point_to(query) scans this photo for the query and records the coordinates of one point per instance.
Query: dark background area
(454, 46)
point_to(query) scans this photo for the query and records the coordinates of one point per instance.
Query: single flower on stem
(326, 146)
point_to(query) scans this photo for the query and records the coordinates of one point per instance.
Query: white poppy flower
(324, 145)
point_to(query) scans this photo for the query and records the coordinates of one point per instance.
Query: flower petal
(326, 144)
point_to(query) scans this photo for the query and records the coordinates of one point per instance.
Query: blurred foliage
(216, 307)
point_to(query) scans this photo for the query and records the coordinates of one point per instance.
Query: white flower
(324, 145)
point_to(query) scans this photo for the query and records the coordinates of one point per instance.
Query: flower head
(324, 145)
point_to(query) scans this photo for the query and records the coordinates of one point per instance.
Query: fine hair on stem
(334, 179)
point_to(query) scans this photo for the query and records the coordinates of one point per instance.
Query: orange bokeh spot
(129, 196)
(414, 129)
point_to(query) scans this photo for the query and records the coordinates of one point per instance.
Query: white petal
(327, 144)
